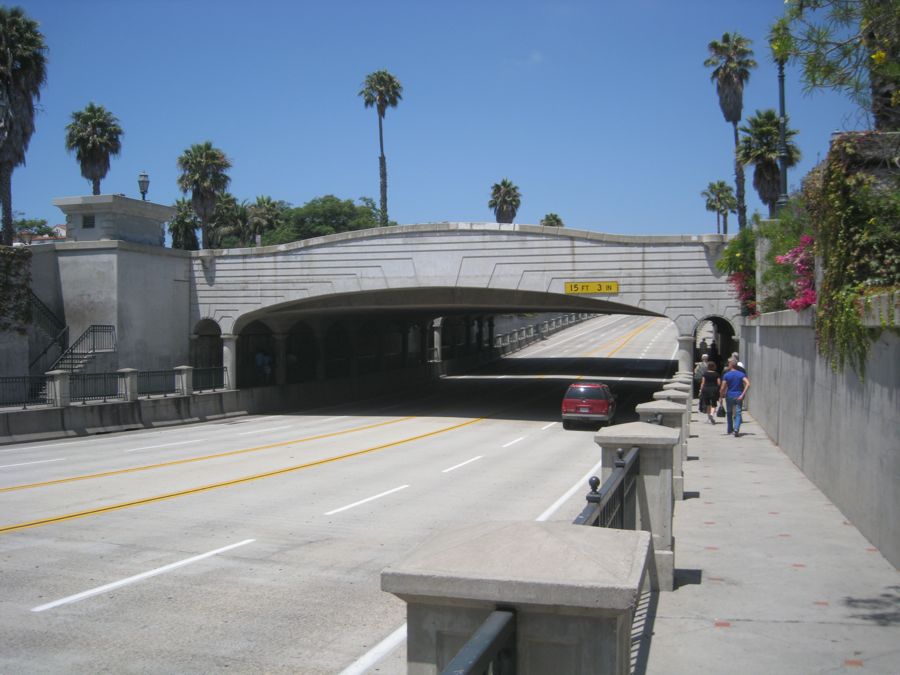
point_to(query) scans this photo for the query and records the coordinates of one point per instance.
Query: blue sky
(601, 112)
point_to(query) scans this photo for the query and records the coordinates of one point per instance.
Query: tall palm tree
(203, 174)
(183, 226)
(731, 59)
(228, 225)
(23, 70)
(382, 90)
(262, 216)
(552, 220)
(720, 198)
(505, 200)
(94, 135)
(759, 146)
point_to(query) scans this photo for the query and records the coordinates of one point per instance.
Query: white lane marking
(367, 499)
(468, 461)
(137, 577)
(572, 490)
(42, 461)
(332, 419)
(166, 445)
(386, 646)
(520, 438)
(378, 652)
(262, 431)
(547, 426)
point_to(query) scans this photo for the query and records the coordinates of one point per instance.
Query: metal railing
(97, 338)
(492, 649)
(210, 379)
(24, 390)
(44, 318)
(614, 505)
(158, 383)
(84, 387)
(49, 356)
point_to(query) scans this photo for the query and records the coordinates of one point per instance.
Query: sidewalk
(770, 577)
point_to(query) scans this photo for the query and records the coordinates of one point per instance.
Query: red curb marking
(821, 603)
(784, 535)
(716, 579)
(872, 549)
(727, 624)
(798, 565)
(773, 513)
(853, 662)
(847, 522)
(708, 503)
(709, 522)
(712, 548)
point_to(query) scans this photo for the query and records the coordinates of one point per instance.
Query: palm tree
(505, 200)
(23, 70)
(382, 90)
(262, 216)
(228, 225)
(183, 226)
(552, 220)
(203, 174)
(93, 134)
(759, 146)
(720, 198)
(731, 59)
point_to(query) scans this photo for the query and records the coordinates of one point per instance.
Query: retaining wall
(842, 431)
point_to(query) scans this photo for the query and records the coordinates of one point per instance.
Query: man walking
(734, 388)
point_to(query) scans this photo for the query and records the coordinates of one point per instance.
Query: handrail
(44, 318)
(613, 505)
(97, 338)
(492, 648)
(61, 340)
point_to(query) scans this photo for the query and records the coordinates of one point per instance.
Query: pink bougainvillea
(802, 259)
(745, 288)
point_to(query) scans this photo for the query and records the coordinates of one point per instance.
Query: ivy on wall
(15, 282)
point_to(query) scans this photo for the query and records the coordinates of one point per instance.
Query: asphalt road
(256, 544)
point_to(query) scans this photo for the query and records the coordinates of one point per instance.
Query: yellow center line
(625, 339)
(213, 486)
(176, 462)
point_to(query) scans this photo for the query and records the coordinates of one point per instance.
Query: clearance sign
(592, 287)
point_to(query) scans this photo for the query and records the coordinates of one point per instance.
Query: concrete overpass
(359, 302)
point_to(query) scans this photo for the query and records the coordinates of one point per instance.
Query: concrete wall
(840, 430)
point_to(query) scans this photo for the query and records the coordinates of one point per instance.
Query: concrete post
(684, 399)
(686, 353)
(573, 589)
(280, 358)
(229, 360)
(678, 386)
(438, 340)
(184, 380)
(654, 496)
(128, 388)
(673, 415)
(58, 388)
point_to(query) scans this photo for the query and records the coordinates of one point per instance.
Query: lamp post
(782, 142)
(143, 184)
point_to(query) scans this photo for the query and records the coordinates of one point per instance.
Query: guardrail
(492, 648)
(614, 505)
(210, 379)
(84, 387)
(24, 390)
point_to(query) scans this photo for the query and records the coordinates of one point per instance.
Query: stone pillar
(654, 496)
(229, 360)
(678, 386)
(58, 388)
(573, 589)
(686, 353)
(684, 399)
(673, 415)
(280, 358)
(184, 380)
(128, 387)
(436, 336)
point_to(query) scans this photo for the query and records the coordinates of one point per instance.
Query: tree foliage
(94, 135)
(323, 216)
(204, 174)
(505, 200)
(851, 46)
(720, 200)
(381, 90)
(15, 283)
(183, 226)
(552, 220)
(23, 71)
(760, 146)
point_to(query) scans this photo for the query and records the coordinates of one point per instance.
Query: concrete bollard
(684, 399)
(128, 386)
(678, 386)
(573, 589)
(654, 497)
(58, 388)
(184, 380)
(670, 414)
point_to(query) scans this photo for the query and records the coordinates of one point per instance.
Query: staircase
(97, 339)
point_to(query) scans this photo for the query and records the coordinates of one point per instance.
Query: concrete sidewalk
(770, 577)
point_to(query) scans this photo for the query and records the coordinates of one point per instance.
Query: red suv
(588, 402)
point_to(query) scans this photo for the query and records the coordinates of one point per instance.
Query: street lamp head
(143, 184)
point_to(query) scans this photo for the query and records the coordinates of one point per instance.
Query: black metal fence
(210, 379)
(84, 387)
(23, 391)
(492, 649)
(158, 383)
(614, 505)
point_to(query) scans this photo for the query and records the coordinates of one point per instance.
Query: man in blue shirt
(734, 388)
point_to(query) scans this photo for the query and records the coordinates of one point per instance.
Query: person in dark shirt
(709, 391)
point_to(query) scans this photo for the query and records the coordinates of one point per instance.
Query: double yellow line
(625, 339)
(214, 486)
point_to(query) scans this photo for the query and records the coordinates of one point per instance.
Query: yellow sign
(592, 287)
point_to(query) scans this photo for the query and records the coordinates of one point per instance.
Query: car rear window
(598, 393)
